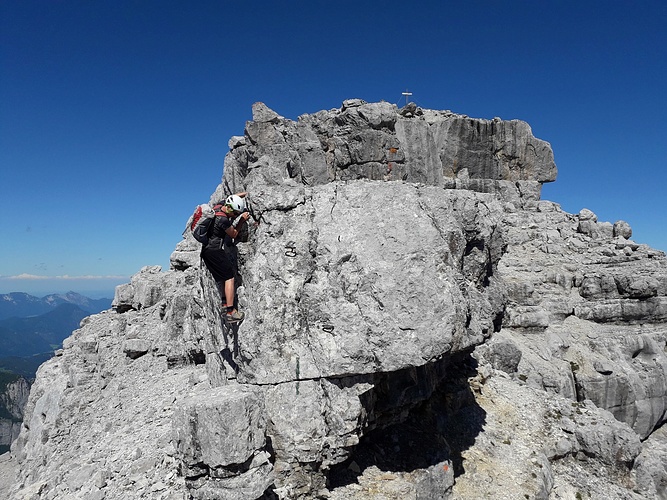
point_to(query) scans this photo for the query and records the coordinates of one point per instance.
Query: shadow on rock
(435, 432)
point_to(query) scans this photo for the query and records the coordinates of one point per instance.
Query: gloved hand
(243, 217)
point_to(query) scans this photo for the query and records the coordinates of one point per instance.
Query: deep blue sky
(115, 115)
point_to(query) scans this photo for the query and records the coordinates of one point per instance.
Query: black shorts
(219, 262)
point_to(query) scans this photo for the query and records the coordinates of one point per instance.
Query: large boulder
(364, 278)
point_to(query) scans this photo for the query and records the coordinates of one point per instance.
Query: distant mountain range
(42, 333)
(31, 328)
(22, 305)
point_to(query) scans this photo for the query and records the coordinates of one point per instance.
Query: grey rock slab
(342, 286)
(8, 470)
(222, 427)
(651, 465)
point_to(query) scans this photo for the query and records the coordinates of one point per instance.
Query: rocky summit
(420, 324)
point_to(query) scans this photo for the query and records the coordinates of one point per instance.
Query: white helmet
(236, 203)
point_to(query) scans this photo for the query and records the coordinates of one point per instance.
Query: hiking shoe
(234, 317)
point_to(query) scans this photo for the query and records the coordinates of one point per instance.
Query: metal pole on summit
(406, 94)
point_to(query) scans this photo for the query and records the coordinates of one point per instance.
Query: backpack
(199, 222)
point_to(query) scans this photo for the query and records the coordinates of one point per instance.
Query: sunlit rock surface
(419, 324)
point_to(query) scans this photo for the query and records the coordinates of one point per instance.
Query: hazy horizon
(91, 289)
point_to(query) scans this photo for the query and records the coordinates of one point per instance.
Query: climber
(219, 254)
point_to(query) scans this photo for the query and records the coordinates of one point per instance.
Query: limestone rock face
(374, 141)
(598, 307)
(12, 402)
(364, 296)
(222, 433)
(419, 324)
